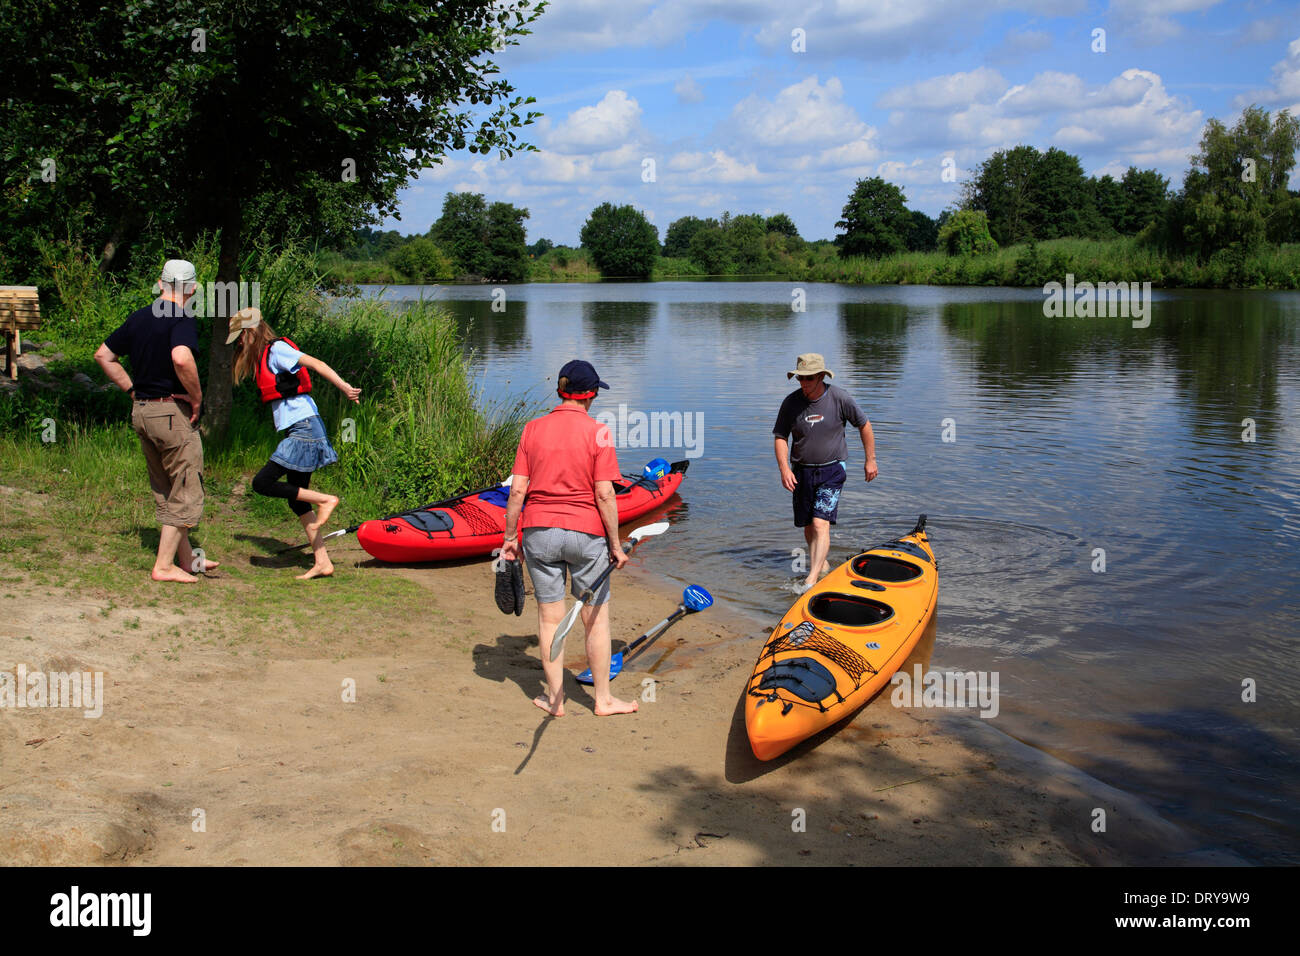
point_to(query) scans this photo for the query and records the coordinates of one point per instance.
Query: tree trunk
(218, 391)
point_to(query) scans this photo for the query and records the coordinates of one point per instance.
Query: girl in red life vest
(282, 375)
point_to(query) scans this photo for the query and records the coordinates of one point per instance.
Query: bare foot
(173, 573)
(544, 702)
(323, 514)
(207, 565)
(613, 706)
(317, 571)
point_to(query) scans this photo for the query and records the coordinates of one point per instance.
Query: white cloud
(855, 153)
(946, 92)
(1285, 91)
(801, 116)
(688, 91)
(1134, 113)
(1129, 116)
(715, 167)
(611, 123)
(1152, 21)
(873, 29)
(1047, 91)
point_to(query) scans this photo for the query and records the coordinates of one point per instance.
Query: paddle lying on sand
(694, 598)
(634, 539)
(400, 514)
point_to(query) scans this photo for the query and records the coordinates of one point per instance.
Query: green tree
(710, 250)
(540, 248)
(507, 253)
(420, 260)
(922, 233)
(677, 240)
(876, 221)
(1146, 194)
(783, 225)
(1001, 189)
(1110, 200)
(146, 118)
(1236, 189)
(966, 233)
(621, 240)
(462, 230)
(746, 235)
(1060, 201)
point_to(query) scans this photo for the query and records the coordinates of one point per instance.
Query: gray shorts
(551, 551)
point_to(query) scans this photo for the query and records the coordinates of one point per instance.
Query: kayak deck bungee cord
(475, 524)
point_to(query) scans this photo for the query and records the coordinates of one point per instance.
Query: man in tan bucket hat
(814, 470)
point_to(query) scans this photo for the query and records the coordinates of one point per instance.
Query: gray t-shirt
(818, 427)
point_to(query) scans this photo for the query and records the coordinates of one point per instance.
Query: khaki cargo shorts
(173, 450)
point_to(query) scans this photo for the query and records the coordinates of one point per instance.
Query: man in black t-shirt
(160, 340)
(815, 470)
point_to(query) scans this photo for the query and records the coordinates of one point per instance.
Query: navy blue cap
(583, 380)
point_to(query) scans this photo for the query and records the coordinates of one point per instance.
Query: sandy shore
(210, 759)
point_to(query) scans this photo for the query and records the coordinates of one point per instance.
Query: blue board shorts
(305, 446)
(817, 492)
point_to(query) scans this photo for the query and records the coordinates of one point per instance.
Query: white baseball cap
(178, 270)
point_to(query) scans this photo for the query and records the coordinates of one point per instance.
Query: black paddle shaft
(590, 593)
(672, 619)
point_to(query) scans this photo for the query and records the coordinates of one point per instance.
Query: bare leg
(549, 616)
(596, 621)
(322, 567)
(164, 567)
(186, 559)
(325, 504)
(818, 536)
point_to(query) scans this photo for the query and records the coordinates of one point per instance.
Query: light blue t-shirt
(285, 411)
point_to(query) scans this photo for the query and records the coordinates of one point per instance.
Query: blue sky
(734, 118)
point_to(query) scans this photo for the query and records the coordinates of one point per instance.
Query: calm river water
(1071, 435)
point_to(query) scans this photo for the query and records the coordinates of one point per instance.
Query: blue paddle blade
(615, 667)
(695, 598)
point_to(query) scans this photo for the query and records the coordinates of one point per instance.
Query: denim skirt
(305, 446)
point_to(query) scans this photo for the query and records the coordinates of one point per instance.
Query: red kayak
(476, 524)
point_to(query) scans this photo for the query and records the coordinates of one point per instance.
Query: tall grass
(1034, 264)
(422, 431)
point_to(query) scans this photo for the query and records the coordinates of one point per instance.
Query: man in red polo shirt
(563, 487)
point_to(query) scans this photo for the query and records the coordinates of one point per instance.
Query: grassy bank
(1033, 265)
(422, 431)
(1026, 265)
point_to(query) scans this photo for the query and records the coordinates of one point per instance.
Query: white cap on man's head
(177, 270)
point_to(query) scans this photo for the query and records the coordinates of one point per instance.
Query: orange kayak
(841, 643)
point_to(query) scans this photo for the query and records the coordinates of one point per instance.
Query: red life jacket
(280, 384)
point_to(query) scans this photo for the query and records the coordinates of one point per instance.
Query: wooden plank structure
(20, 310)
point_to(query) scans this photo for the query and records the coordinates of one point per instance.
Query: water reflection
(497, 327)
(874, 338)
(612, 325)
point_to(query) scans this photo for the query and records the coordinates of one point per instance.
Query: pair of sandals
(510, 587)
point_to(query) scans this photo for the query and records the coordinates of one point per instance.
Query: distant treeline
(1233, 207)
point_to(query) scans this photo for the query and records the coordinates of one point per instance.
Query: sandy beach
(204, 757)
